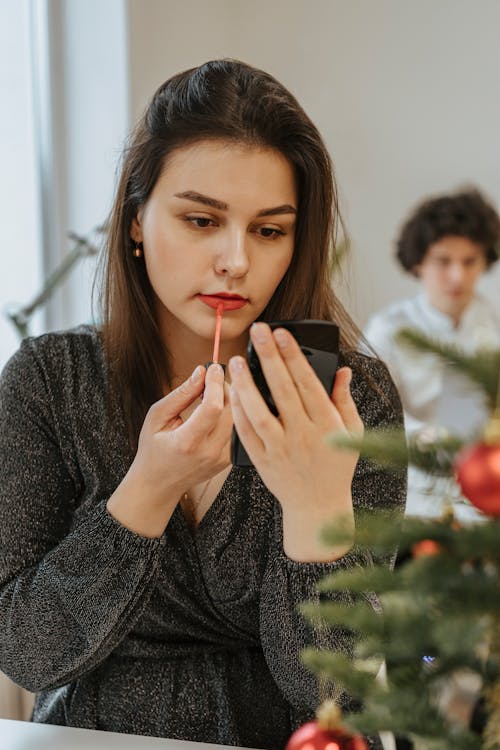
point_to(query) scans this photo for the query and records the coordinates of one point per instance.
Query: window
(21, 265)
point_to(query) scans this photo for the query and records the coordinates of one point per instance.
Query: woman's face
(219, 226)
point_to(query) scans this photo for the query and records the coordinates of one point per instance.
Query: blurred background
(404, 92)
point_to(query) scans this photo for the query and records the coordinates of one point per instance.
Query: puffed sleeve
(70, 589)
(287, 583)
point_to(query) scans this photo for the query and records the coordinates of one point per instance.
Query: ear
(136, 229)
(416, 270)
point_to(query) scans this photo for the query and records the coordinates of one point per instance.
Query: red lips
(228, 301)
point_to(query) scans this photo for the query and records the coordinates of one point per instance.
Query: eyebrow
(192, 195)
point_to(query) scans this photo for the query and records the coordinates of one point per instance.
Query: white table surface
(24, 735)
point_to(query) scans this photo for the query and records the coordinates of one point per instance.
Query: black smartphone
(319, 341)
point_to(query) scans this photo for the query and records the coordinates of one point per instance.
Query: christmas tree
(439, 630)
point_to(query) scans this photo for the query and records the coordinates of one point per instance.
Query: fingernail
(216, 369)
(236, 364)
(348, 383)
(281, 337)
(260, 332)
(197, 373)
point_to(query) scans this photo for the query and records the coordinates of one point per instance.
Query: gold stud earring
(138, 250)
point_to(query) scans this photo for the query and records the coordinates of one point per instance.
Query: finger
(224, 425)
(225, 452)
(344, 402)
(213, 395)
(314, 398)
(276, 373)
(207, 414)
(222, 432)
(166, 412)
(249, 438)
(256, 411)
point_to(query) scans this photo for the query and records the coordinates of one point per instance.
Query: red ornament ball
(478, 474)
(426, 548)
(311, 736)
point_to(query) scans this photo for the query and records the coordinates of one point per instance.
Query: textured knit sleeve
(71, 586)
(287, 583)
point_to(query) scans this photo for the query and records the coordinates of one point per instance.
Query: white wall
(404, 92)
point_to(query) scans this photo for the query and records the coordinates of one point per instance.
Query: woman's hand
(174, 454)
(311, 480)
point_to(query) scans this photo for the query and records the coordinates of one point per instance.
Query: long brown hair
(229, 100)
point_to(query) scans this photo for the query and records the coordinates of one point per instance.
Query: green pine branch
(391, 449)
(376, 533)
(438, 613)
(338, 668)
(443, 606)
(362, 617)
(482, 367)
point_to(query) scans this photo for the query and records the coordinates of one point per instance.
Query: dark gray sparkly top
(193, 635)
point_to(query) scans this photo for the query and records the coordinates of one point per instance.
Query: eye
(199, 222)
(270, 233)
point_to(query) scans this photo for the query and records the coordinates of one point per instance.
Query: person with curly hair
(447, 242)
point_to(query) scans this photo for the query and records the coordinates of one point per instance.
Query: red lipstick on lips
(228, 301)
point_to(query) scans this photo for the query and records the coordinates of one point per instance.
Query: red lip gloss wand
(218, 323)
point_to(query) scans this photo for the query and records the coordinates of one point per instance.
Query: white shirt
(432, 394)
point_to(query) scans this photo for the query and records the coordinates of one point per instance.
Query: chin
(231, 329)
(459, 302)
(457, 307)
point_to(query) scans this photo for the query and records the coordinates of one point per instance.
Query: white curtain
(15, 703)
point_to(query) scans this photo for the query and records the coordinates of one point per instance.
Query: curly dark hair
(463, 214)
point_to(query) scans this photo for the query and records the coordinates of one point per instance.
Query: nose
(457, 272)
(232, 257)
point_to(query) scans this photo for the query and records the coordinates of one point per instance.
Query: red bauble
(311, 736)
(426, 548)
(478, 474)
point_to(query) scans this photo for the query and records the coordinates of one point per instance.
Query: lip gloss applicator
(218, 325)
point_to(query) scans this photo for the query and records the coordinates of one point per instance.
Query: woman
(146, 585)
